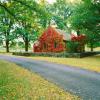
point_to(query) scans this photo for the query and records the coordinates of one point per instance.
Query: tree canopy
(27, 19)
(23, 14)
(86, 19)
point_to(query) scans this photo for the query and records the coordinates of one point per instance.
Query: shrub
(50, 54)
(72, 46)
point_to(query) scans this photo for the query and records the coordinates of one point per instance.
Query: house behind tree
(52, 40)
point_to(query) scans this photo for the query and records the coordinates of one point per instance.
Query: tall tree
(86, 19)
(45, 20)
(5, 28)
(25, 13)
(61, 11)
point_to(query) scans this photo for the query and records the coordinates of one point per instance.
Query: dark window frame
(55, 44)
(44, 46)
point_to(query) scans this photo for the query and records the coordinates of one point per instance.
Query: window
(44, 46)
(55, 44)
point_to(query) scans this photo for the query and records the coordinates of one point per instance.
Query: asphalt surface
(83, 83)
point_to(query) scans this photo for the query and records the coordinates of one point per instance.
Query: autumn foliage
(50, 41)
(79, 38)
(79, 41)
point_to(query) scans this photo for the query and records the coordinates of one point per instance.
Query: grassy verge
(5, 53)
(17, 83)
(90, 63)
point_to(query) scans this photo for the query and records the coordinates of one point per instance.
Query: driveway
(83, 83)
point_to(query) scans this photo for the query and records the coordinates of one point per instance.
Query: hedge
(63, 54)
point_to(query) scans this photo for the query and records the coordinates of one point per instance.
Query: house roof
(66, 36)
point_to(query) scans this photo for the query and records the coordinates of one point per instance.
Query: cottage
(52, 40)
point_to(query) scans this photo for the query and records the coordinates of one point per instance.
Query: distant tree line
(26, 19)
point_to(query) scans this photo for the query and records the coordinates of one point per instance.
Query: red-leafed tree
(77, 43)
(50, 41)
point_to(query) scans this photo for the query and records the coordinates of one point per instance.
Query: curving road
(83, 83)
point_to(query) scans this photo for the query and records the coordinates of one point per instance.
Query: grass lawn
(90, 63)
(95, 49)
(17, 83)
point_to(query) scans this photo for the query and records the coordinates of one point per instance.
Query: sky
(52, 1)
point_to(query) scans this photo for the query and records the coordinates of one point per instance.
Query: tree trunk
(7, 41)
(26, 44)
(7, 45)
(7, 32)
(84, 48)
(91, 47)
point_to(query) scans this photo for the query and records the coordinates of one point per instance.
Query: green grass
(90, 63)
(17, 83)
(95, 49)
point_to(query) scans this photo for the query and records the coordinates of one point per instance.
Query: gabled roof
(66, 36)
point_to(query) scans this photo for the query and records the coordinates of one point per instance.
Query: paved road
(83, 83)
